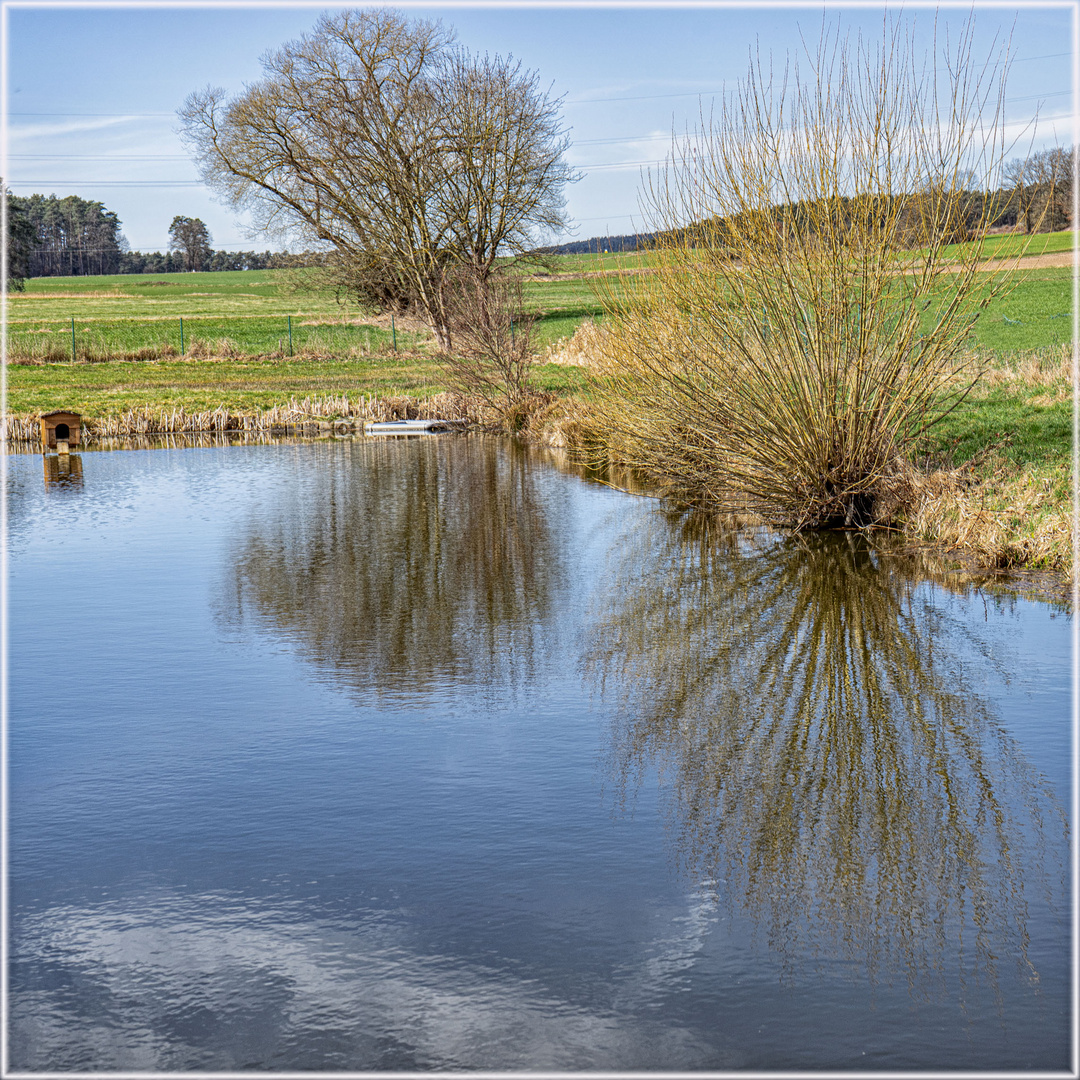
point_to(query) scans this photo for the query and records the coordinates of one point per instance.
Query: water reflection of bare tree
(826, 755)
(407, 567)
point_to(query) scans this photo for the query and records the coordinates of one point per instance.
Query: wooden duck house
(60, 430)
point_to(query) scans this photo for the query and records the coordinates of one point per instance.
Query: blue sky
(92, 90)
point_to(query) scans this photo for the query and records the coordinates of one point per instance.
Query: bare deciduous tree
(1040, 187)
(1059, 170)
(381, 138)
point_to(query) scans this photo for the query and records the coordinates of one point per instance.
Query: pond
(427, 754)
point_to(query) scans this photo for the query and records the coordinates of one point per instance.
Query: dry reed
(316, 410)
(1007, 519)
(577, 350)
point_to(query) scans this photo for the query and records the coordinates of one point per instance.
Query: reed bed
(295, 414)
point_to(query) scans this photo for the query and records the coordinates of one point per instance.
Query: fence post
(290, 334)
(393, 330)
(181, 337)
(73, 339)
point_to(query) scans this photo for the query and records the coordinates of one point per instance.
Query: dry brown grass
(1005, 519)
(573, 425)
(1048, 369)
(222, 349)
(48, 350)
(993, 514)
(578, 350)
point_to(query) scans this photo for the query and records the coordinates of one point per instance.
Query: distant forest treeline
(154, 262)
(1036, 195)
(66, 236)
(72, 237)
(598, 244)
(918, 217)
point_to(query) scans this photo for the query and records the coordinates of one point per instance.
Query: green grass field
(1035, 314)
(1024, 432)
(1009, 245)
(122, 315)
(245, 316)
(241, 320)
(96, 339)
(244, 385)
(250, 311)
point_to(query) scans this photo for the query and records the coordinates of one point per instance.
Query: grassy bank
(1003, 492)
(993, 479)
(240, 385)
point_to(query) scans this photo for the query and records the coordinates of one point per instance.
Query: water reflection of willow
(406, 566)
(824, 753)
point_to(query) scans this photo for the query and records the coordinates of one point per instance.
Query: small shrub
(491, 354)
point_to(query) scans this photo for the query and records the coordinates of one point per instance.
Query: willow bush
(805, 324)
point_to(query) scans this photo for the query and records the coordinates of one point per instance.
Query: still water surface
(424, 754)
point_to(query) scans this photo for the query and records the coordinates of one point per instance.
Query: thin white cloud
(66, 127)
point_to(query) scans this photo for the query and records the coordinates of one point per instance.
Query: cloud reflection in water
(217, 981)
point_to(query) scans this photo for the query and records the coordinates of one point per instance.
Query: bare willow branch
(811, 311)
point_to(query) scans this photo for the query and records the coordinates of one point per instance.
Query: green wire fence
(199, 337)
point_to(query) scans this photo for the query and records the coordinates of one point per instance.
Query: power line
(149, 249)
(616, 140)
(605, 165)
(15, 182)
(599, 166)
(579, 101)
(607, 217)
(1038, 97)
(130, 116)
(98, 157)
(107, 183)
(631, 138)
(714, 93)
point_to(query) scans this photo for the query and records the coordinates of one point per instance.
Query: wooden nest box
(60, 430)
